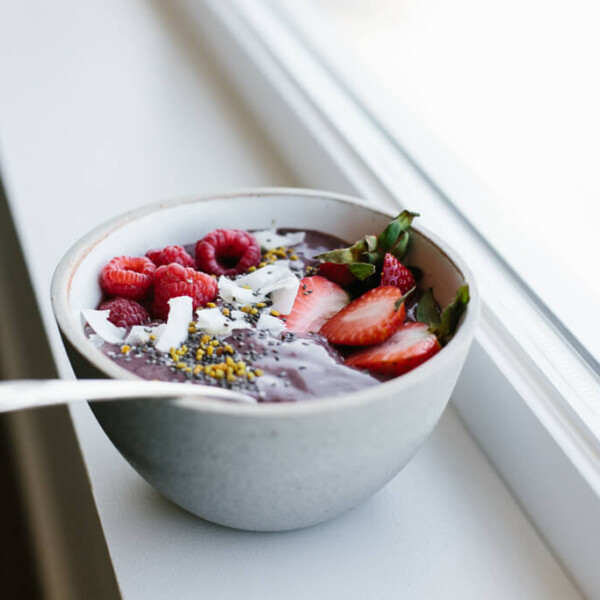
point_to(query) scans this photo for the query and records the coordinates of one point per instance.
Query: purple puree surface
(295, 367)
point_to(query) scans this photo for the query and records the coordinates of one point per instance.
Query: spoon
(33, 393)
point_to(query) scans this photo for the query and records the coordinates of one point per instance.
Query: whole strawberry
(173, 280)
(394, 273)
(339, 274)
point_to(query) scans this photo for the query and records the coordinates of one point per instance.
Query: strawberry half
(371, 318)
(411, 345)
(317, 300)
(396, 274)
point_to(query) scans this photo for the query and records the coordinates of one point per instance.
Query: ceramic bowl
(265, 467)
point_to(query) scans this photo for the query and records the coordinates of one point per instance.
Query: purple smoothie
(295, 367)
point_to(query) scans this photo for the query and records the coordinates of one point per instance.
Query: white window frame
(525, 393)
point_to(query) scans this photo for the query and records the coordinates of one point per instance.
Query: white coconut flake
(139, 334)
(265, 275)
(283, 297)
(158, 330)
(269, 239)
(98, 321)
(178, 321)
(233, 292)
(271, 323)
(96, 340)
(214, 322)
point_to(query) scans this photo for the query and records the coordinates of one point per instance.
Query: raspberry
(125, 313)
(170, 254)
(127, 276)
(227, 252)
(171, 281)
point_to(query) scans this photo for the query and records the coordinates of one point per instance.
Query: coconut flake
(269, 239)
(271, 323)
(139, 334)
(178, 321)
(231, 291)
(98, 321)
(96, 340)
(283, 297)
(265, 275)
(214, 322)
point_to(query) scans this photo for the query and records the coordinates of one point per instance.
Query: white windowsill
(113, 105)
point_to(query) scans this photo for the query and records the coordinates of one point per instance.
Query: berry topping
(125, 313)
(317, 300)
(127, 276)
(170, 254)
(411, 345)
(227, 252)
(338, 273)
(396, 274)
(371, 318)
(172, 281)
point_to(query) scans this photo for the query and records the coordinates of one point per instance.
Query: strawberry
(371, 318)
(396, 274)
(411, 345)
(338, 273)
(317, 300)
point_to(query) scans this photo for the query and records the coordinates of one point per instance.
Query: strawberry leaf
(400, 300)
(389, 237)
(339, 257)
(399, 249)
(361, 270)
(427, 311)
(451, 315)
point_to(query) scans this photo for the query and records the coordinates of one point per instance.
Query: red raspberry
(396, 274)
(227, 252)
(170, 254)
(125, 313)
(171, 281)
(128, 276)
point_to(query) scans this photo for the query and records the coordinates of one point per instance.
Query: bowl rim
(70, 262)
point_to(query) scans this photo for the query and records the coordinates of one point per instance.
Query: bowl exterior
(278, 473)
(271, 468)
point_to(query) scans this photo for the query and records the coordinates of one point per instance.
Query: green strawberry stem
(394, 238)
(372, 249)
(444, 330)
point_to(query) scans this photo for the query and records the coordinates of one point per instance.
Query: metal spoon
(33, 393)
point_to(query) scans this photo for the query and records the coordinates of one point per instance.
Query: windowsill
(147, 117)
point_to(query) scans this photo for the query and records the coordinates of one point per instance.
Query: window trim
(332, 145)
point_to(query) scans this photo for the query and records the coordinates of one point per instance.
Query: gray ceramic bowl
(265, 467)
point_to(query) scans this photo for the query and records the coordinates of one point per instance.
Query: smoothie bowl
(345, 327)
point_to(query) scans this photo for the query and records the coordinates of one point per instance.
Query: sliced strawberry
(317, 300)
(411, 345)
(371, 318)
(396, 274)
(338, 273)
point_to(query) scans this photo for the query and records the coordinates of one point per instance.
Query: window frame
(535, 428)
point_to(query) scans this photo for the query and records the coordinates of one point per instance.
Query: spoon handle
(33, 393)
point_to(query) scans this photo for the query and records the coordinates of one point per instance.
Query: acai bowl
(266, 466)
